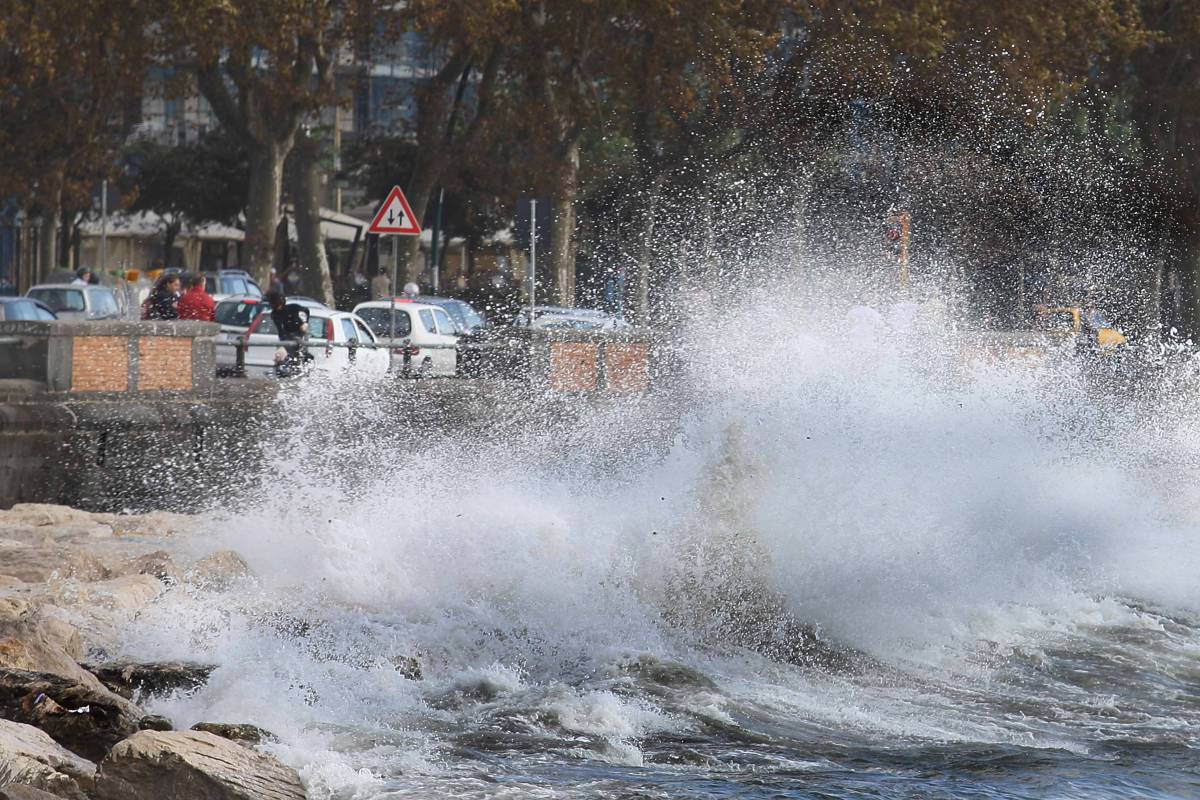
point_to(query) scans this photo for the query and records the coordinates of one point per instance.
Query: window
(427, 320)
(446, 327)
(348, 329)
(364, 333)
(318, 327)
(471, 318)
(456, 314)
(20, 310)
(42, 314)
(233, 286)
(104, 304)
(380, 320)
(238, 315)
(59, 299)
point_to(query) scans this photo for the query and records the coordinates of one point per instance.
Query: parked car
(13, 309)
(563, 318)
(77, 301)
(325, 326)
(463, 313)
(222, 283)
(424, 341)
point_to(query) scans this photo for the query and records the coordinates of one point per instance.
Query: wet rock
(408, 666)
(157, 564)
(192, 764)
(151, 679)
(155, 722)
(220, 570)
(157, 524)
(85, 718)
(31, 758)
(23, 791)
(240, 733)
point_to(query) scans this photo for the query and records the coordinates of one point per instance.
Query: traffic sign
(396, 216)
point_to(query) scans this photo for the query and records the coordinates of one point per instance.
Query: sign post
(532, 258)
(396, 218)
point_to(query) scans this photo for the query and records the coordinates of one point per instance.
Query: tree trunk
(262, 208)
(562, 251)
(170, 233)
(315, 280)
(641, 303)
(48, 241)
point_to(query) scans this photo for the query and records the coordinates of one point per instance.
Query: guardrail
(574, 362)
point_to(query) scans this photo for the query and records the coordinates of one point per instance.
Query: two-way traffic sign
(396, 216)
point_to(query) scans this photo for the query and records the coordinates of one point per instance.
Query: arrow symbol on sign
(391, 216)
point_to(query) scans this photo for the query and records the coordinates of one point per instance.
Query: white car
(424, 340)
(77, 301)
(326, 327)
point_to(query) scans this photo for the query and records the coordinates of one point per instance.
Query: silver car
(77, 301)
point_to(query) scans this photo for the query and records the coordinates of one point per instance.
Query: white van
(77, 301)
(424, 340)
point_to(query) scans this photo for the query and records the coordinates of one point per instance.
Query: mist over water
(832, 557)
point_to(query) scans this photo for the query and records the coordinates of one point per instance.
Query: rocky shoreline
(70, 721)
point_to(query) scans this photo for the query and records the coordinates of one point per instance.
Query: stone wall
(88, 358)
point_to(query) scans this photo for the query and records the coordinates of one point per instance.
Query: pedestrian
(381, 286)
(163, 300)
(291, 325)
(196, 303)
(83, 276)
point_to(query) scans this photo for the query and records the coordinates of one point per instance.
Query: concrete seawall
(130, 416)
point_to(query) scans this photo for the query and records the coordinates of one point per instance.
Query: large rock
(155, 678)
(220, 570)
(37, 562)
(33, 639)
(23, 791)
(43, 514)
(85, 718)
(31, 758)
(192, 765)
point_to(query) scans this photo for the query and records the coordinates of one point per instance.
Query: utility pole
(532, 258)
(436, 247)
(897, 233)
(103, 225)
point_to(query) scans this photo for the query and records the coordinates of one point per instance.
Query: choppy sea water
(838, 563)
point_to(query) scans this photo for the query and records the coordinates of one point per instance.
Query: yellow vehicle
(1091, 327)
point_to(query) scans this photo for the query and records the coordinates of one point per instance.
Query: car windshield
(238, 314)
(380, 320)
(104, 304)
(59, 299)
(470, 318)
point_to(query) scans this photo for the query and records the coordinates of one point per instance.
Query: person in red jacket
(195, 303)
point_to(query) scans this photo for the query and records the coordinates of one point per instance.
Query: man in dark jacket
(291, 325)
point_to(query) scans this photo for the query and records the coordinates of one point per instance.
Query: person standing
(381, 286)
(163, 302)
(196, 303)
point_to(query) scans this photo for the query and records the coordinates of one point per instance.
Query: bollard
(239, 368)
